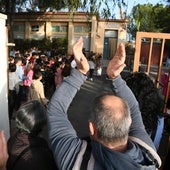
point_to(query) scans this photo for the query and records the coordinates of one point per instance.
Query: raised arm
(115, 67)
(64, 141)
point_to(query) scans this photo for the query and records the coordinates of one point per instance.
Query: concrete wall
(4, 121)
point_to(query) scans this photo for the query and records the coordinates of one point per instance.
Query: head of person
(18, 61)
(37, 75)
(31, 117)
(12, 67)
(110, 120)
(150, 101)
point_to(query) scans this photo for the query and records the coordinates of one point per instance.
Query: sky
(132, 3)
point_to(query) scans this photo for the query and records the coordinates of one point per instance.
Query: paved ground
(78, 112)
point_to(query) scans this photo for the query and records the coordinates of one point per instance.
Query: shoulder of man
(149, 150)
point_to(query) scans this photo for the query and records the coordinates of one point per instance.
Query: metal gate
(162, 37)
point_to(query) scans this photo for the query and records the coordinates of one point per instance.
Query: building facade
(100, 35)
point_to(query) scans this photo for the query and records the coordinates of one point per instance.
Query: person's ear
(91, 128)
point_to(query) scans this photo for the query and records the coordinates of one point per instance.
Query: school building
(100, 35)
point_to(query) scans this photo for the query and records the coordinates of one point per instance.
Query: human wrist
(111, 77)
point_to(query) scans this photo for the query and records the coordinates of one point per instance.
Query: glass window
(35, 28)
(57, 28)
(111, 33)
(18, 28)
(80, 29)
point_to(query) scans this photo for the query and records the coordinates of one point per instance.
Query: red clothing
(28, 80)
(164, 81)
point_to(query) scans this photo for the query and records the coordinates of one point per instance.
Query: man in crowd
(118, 137)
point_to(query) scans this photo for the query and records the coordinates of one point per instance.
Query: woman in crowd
(26, 149)
(37, 88)
(151, 104)
(28, 72)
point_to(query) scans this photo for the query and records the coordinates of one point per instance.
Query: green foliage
(149, 18)
(104, 7)
(60, 44)
(162, 20)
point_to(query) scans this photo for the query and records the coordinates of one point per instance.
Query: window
(18, 28)
(80, 29)
(35, 28)
(57, 28)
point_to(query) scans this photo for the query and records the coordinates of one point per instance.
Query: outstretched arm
(64, 141)
(115, 67)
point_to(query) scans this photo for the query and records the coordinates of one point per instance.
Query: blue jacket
(68, 149)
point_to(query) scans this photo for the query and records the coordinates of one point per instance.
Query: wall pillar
(27, 30)
(4, 119)
(48, 30)
(93, 33)
(70, 37)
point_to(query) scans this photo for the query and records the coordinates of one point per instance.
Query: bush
(60, 44)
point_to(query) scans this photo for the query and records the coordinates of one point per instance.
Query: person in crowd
(28, 72)
(20, 74)
(151, 104)
(19, 69)
(33, 57)
(118, 137)
(13, 82)
(11, 60)
(37, 88)
(3, 151)
(26, 149)
(66, 68)
(165, 84)
(99, 65)
(92, 67)
(58, 74)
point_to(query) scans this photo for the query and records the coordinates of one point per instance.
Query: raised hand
(81, 61)
(117, 63)
(3, 151)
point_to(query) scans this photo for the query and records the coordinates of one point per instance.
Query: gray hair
(110, 127)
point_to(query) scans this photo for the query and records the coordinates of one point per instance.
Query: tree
(106, 7)
(148, 18)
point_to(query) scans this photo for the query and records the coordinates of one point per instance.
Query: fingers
(3, 143)
(117, 63)
(3, 150)
(81, 61)
(120, 53)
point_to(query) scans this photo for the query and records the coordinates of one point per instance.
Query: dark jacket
(29, 153)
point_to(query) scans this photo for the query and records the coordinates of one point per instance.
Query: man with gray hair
(118, 137)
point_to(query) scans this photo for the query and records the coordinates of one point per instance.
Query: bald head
(111, 117)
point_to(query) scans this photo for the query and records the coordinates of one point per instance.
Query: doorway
(110, 44)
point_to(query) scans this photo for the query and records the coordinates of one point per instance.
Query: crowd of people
(118, 138)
